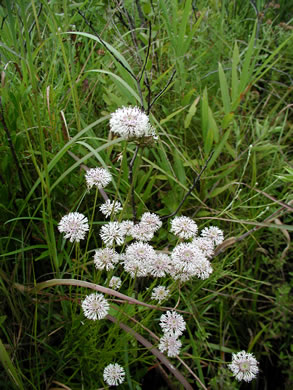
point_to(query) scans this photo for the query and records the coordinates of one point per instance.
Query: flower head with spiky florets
(171, 344)
(160, 293)
(108, 208)
(114, 374)
(172, 323)
(112, 233)
(189, 261)
(126, 227)
(95, 306)
(74, 225)
(213, 233)
(205, 245)
(151, 220)
(106, 259)
(141, 232)
(183, 227)
(244, 366)
(161, 265)
(131, 122)
(115, 283)
(98, 177)
(137, 259)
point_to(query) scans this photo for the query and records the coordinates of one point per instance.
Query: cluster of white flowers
(116, 232)
(214, 234)
(183, 227)
(95, 306)
(110, 208)
(115, 283)
(161, 265)
(98, 177)
(112, 233)
(137, 259)
(188, 261)
(106, 259)
(160, 293)
(131, 123)
(114, 374)
(74, 225)
(173, 325)
(171, 344)
(146, 228)
(244, 366)
(140, 259)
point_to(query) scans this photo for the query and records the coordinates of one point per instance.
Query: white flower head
(213, 233)
(131, 122)
(126, 227)
(161, 265)
(172, 323)
(185, 256)
(203, 268)
(115, 283)
(151, 220)
(244, 366)
(171, 344)
(95, 306)
(114, 374)
(98, 177)
(112, 233)
(108, 208)
(137, 259)
(205, 245)
(183, 227)
(142, 232)
(160, 293)
(106, 259)
(74, 225)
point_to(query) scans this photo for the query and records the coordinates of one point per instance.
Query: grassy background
(232, 94)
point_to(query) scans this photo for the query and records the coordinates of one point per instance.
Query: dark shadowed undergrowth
(216, 80)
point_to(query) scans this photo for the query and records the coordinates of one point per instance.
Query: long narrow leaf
(9, 367)
(224, 90)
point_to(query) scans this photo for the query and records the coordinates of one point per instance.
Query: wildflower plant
(141, 256)
(134, 196)
(130, 250)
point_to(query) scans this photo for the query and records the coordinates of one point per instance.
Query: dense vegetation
(219, 75)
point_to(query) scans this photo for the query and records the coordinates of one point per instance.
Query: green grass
(231, 95)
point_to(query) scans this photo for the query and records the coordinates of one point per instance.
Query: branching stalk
(130, 178)
(161, 92)
(196, 180)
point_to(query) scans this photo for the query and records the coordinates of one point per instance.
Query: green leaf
(217, 191)
(172, 115)
(123, 83)
(224, 90)
(228, 118)
(235, 81)
(219, 148)
(9, 367)
(191, 113)
(213, 125)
